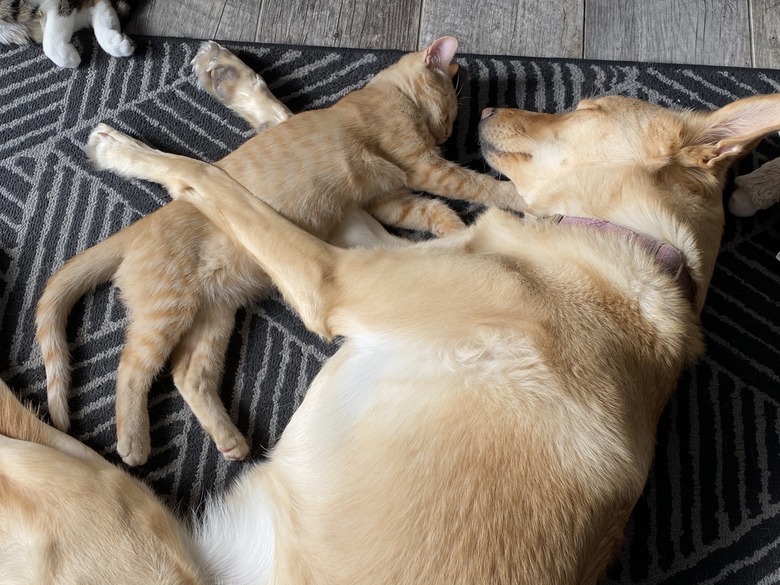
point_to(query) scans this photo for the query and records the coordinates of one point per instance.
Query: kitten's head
(426, 78)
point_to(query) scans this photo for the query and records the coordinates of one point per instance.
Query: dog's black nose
(487, 112)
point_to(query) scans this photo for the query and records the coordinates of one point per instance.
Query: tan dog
(491, 415)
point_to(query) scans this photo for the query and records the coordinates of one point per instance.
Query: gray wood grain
(370, 24)
(714, 32)
(766, 33)
(183, 18)
(706, 32)
(239, 20)
(508, 27)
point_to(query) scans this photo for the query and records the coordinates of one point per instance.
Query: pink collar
(668, 257)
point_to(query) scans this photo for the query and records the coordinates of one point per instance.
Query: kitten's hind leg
(197, 372)
(152, 335)
(108, 32)
(235, 85)
(57, 32)
(359, 229)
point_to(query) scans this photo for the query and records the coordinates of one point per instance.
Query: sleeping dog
(491, 414)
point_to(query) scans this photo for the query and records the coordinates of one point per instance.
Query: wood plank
(507, 27)
(766, 33)
(703, 32)
(369, 24)
(197, 19)
(239, 20)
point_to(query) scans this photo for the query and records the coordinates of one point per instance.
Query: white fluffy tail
(79, 275)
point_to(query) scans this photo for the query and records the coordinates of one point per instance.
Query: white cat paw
(63, 55)
(116, 44)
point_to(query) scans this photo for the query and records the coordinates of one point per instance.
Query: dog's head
(656, 170)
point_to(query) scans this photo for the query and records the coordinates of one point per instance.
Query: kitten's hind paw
(134, 449)
(233, 447)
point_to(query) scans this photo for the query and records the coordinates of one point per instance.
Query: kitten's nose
(487, 112)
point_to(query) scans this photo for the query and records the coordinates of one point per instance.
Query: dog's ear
(439, 55)
(730, 132)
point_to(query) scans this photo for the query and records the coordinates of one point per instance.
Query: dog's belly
(402, 458)
(347, 420)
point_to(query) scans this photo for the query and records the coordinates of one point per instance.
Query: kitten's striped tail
(78, 275)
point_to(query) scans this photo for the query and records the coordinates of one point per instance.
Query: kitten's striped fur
(53, 22)
(181, 278)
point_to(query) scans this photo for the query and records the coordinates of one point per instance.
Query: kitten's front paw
(116, 44)
(63, 55)
(446, 223)
(108, 148)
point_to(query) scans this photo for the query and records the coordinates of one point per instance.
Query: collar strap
(669, 258)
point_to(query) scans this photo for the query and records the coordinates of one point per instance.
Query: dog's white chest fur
(368, 376)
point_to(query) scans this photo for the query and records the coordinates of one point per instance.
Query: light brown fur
(491, 415)
(68, 517)
(182, 280)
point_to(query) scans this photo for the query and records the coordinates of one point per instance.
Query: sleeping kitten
(182, 280)
(53, 22)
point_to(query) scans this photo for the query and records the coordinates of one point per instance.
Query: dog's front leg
(300, 265)
(234, 84)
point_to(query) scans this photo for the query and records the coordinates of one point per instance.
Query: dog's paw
(109, 149)
(233, 446)
(219, 72)
(63, 56)
(117, 44)
(134, 447)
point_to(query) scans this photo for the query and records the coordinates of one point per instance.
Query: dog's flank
(98, 526)
(491, 414)
(182, 280)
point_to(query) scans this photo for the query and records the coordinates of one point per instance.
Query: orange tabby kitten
(182, 280)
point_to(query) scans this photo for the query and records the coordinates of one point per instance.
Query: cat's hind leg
(108, 32)
(57, 32)
(360, 229)
(152, 335)
(197, 372)
(237, 86)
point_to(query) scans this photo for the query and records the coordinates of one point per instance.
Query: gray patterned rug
(711, 509)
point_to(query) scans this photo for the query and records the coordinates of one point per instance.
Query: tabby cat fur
(53, 22)
(182, 280)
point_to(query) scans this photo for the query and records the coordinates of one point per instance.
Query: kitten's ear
(440, 53)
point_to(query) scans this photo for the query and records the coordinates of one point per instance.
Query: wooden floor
(742, 33)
